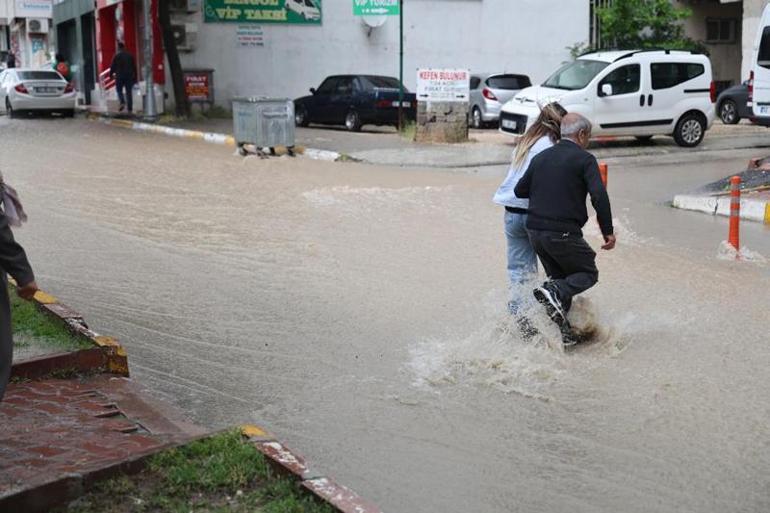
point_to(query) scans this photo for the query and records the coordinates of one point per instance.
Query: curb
(209, 137)
(106, 356)
(751, 209)
(291, 465)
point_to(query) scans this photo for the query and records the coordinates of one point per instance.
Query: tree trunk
(175, 66)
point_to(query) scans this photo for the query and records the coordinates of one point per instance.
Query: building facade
(267, 52)
(25, 31)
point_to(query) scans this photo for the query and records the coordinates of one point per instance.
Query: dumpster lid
(259, 99)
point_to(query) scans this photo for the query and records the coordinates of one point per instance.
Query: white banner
(443, 85)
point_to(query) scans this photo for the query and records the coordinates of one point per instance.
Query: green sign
(375, 7)
(306, 12)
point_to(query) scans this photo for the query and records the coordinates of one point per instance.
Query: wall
(725, 57)
(525, 36)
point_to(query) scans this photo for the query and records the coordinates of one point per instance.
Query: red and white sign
(443, 85)
(197, 86)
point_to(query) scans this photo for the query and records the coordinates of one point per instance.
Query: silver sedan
(23, 90)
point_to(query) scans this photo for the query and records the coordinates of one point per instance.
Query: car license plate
(406, 105)
(45, 89)
(509, 123)
(764, 109)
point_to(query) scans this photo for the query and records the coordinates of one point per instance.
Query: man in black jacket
(557, 183)
(123, 70)
(13, 261)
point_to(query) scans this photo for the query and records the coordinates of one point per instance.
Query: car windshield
(575, 75)
(384, 82)
(39, 75)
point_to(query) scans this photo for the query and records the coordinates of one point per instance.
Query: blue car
(354, 101)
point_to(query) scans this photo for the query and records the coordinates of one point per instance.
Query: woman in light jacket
(522, 260)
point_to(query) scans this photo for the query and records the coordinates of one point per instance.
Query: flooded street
(359, 313)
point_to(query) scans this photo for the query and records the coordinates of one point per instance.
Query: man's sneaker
(552, 305)
(122, 107)
(526, 328)
(569, 338)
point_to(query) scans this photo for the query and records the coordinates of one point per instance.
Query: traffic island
(714, 198)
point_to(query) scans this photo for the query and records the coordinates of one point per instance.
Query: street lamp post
(150, 109)
(400, 65)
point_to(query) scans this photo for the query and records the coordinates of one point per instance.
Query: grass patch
(220, 474)
(31, 327)
(409, 130)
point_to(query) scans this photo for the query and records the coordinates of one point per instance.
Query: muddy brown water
(358, 312)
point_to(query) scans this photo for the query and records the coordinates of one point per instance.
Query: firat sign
(443, 85)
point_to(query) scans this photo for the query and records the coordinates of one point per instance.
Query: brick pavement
(53, 429)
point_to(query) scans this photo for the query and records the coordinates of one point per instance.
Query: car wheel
(690, 130)
(476, 120)
(728, 112)
(644, 139)
(300, 117)
(9, 109)
(353, 121)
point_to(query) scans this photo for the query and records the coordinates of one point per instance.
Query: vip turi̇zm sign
(375, 7)
(306, 12)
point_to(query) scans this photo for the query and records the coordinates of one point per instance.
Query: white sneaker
(552, 305)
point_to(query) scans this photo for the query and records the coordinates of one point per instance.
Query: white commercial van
(639, 93)
(759, 77)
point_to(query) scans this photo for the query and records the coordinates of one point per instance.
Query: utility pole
(150, 109)
(400, 65)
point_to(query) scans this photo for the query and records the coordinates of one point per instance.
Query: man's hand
(609, 241)
(27, 291)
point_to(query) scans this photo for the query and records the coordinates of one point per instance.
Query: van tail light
(69, 88)
(21, 89)
(488, 94)
(713, 91)
(751, 86)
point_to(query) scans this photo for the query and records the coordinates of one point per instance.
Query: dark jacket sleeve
(522, 187)
(599, 198)
(13, 259)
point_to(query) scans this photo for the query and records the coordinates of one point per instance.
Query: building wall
(725, 57)
(526, 36)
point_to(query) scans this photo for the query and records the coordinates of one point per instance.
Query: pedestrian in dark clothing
(10, 61)
(557, 183)
(123, 70)
(13, 261)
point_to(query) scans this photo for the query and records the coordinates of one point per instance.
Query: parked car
(305, 8)
(489, 91)
(640, 93)
(354, 101)
(732, 104)
(759, 77)
(35, 90)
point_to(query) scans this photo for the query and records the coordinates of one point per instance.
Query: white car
(638, 93)
(306, 8)
(35, 90)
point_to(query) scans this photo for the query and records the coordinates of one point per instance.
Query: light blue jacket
(505, 195)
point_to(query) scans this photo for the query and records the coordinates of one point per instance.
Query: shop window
(721, 30)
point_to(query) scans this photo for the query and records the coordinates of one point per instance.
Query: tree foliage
(642, 24)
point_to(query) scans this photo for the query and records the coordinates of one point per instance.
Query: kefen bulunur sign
(443, 85)
(262, 11)
(375, 7)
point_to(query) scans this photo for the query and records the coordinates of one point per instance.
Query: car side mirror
(606, 90)
(312, 90)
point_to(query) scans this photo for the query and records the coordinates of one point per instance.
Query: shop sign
(300, 12)
(34, 9)
(443, 85)
(250, 36)
(375, 7)
(198, 85)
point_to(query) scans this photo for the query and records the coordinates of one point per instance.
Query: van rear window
(763, 57)
(39, 75)
(669, 74)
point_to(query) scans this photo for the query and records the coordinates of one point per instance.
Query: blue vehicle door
(341, 100)
(320, 108)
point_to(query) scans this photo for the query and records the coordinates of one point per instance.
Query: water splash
(727, 252)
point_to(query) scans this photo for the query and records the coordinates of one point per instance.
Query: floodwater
(359, 313)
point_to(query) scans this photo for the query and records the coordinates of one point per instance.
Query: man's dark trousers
(568, 261)
(126, 98)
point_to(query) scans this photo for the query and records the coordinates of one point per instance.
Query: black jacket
(557, 182)
(13, 260)
(123, 66)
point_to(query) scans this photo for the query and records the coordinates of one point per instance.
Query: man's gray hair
(573, 123)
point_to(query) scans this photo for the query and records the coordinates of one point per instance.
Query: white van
(759, 77)
(639, 93)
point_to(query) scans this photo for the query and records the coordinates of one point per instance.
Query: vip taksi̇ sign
(443, 85)
(303, 12)
(375, 7)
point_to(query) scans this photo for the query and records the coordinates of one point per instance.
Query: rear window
(475, 81)
(669, 74)
(387, 82)
(39, 75)
(508, 82)
(763, 57)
